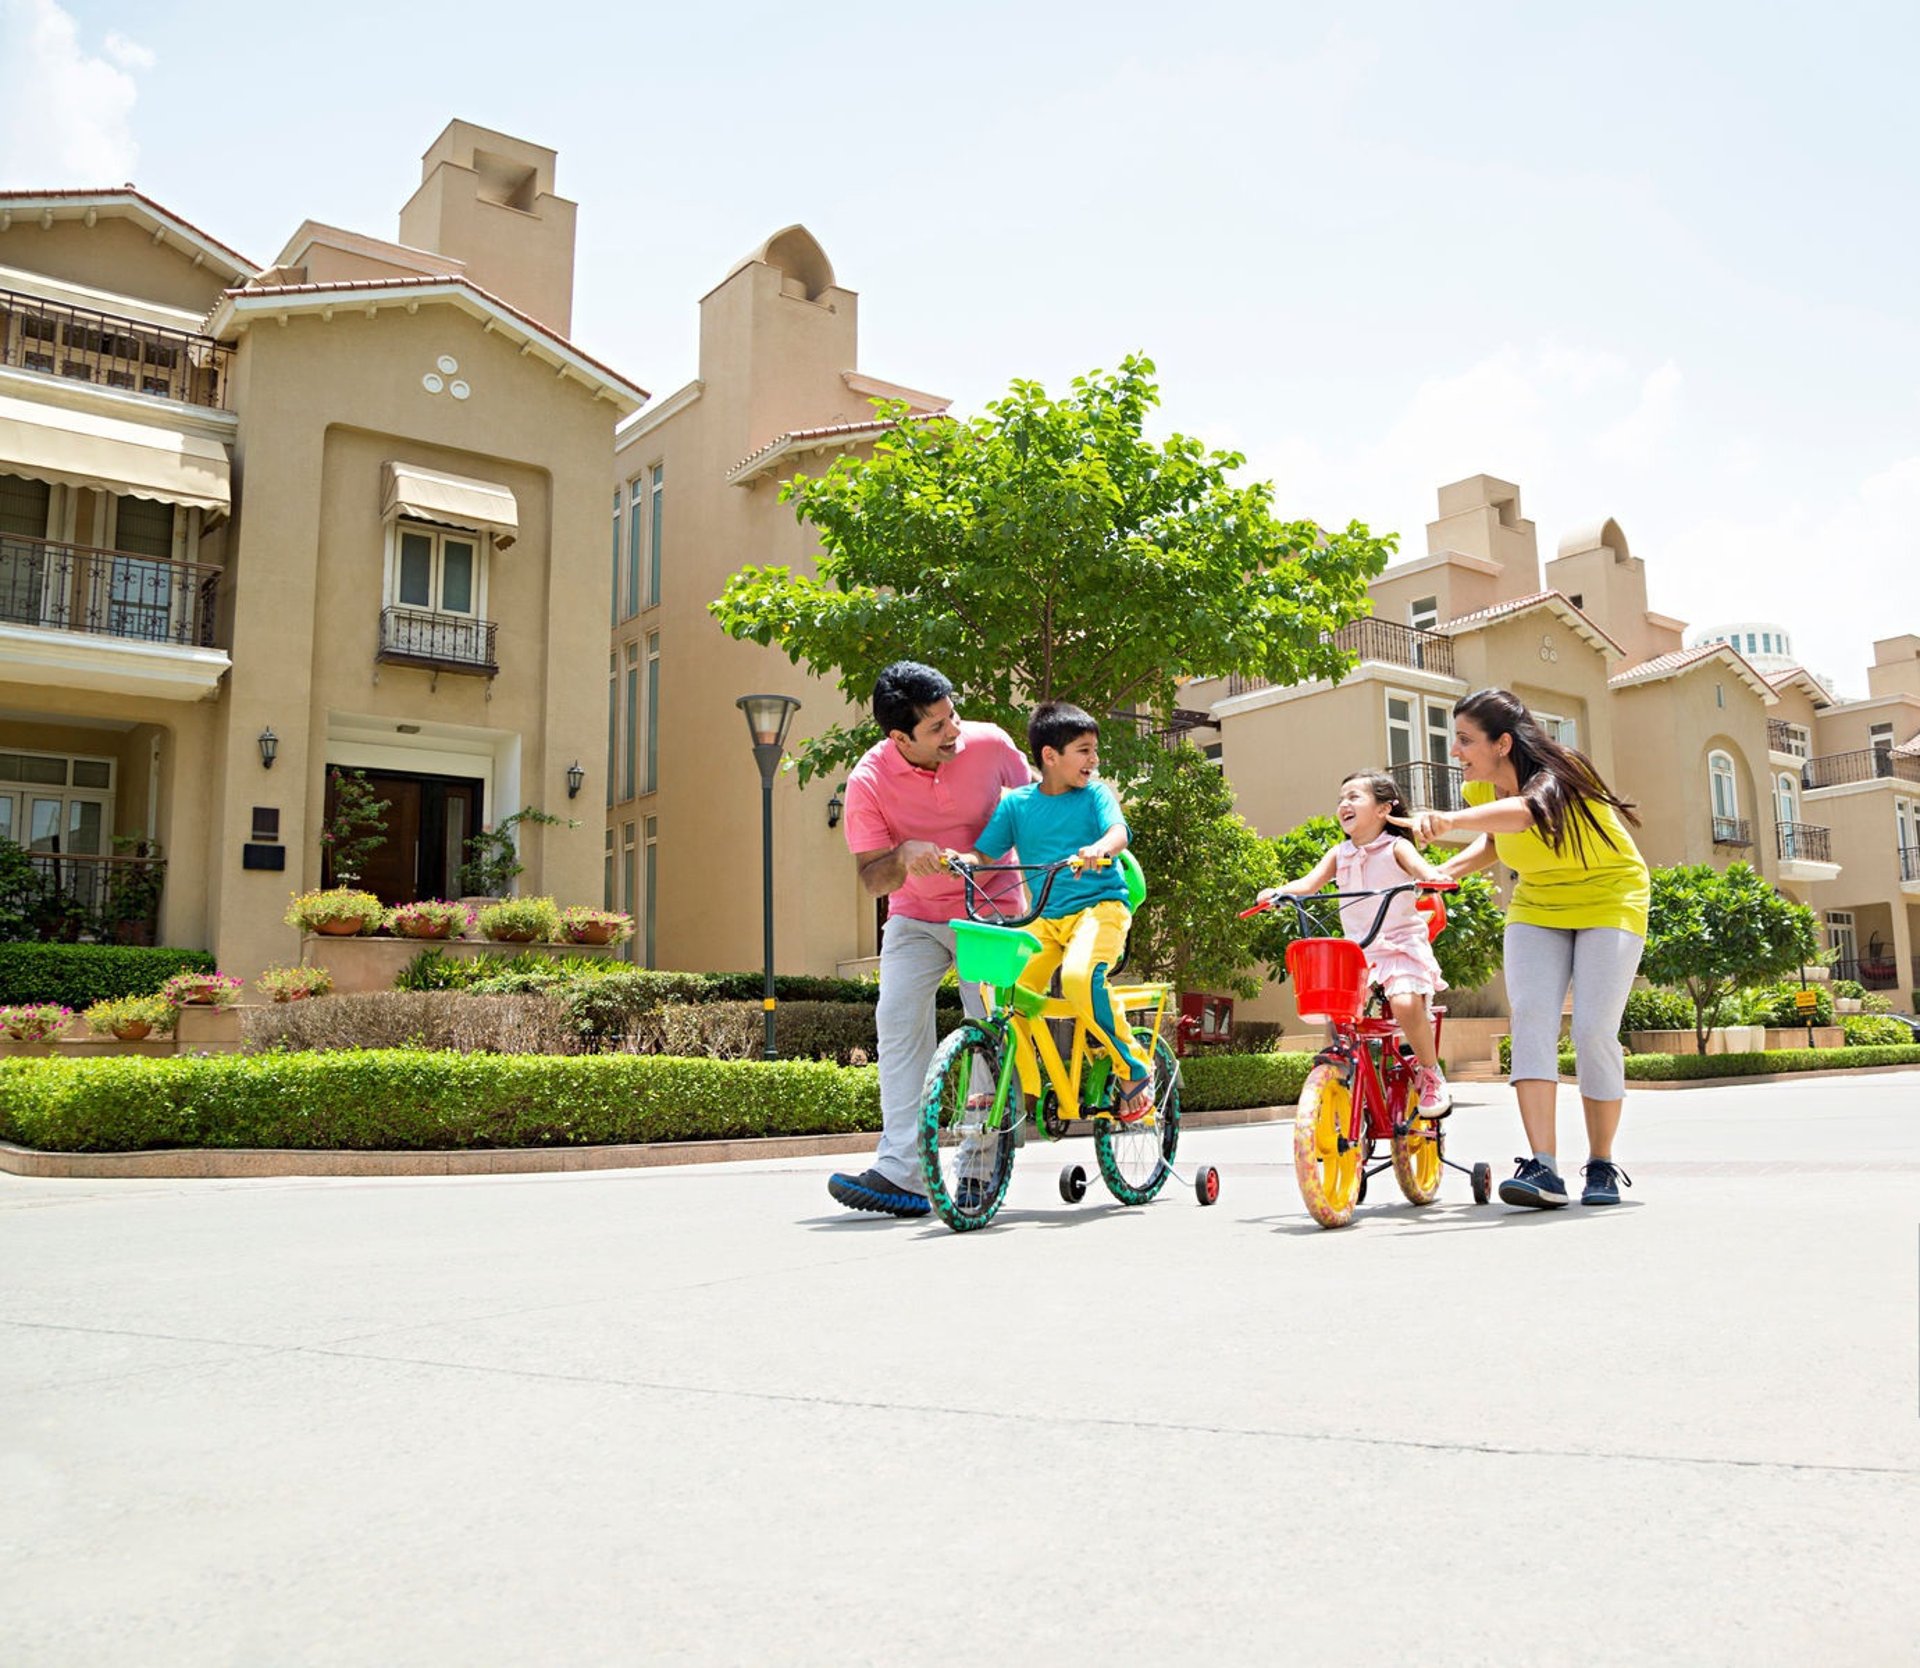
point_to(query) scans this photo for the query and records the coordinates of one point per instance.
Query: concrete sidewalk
(701, 1415)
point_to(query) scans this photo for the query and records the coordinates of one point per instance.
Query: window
(436, 570)
(659, 495)
(1726, 797)
(652, 906)
(1399, 728)
(636, 502)
(139, 590)
(1843, 944)
(628, 871)
(606, 889)
(615, 582)
(1786, 809)
(1906, 822)
(652, 775)
(1799, 741)
(613, 724)
(55, 803)
(1880, 737)
(1563, 730)
(1751, 645)
(1719, 695)
(1423, 613)
(24, 507)
(632, 738)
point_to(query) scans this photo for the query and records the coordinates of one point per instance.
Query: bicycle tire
(1329, 1176)
(1136, 1159)
(1417, 1154)
(967, 1168)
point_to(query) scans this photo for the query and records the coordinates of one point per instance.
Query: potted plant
(295, 984)
(133, 890)
(493, 857)
(34, 1022)
(201, 990)
(357, 827)
(580, 924)
(130, 1017)
(340, 912)
(520, 920)
(430, 918)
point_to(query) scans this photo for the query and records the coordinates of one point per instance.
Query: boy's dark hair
(1056, 724)
(904, 691)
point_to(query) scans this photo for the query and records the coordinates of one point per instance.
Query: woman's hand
(1425, 827)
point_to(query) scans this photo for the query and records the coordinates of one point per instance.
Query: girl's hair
(1558, 782)
(1385, 790)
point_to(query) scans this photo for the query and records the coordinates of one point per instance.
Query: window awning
(86, 449)
(452, 500)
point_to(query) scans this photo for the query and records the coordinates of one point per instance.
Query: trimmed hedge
(405, 1099)
(1221, 1082)
(1874, 1031)
(79, 975)
(1673, 1068)
(1564, 1060)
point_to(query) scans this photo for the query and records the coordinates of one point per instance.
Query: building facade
(340, 511)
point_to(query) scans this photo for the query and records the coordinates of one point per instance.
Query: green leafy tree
(1709, 932)
(1203, 865)
(1049, 548)
(1469, 951)
(356, 829)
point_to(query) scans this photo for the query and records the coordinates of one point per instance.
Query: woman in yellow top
(1578, 917)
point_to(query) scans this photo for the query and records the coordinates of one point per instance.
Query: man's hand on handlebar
(922, 857)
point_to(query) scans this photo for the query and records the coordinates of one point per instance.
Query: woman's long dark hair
(1558, 783)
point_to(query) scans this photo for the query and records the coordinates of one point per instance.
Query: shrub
(34, 1021)
(1656, 1010)
(452, 1020)
(1852, 989)
(436, 970)
(513, 918)
(1646, 1068)
(78, 975)
(1218, 1082)
(1874, 1031)
(309, 911)
(1876, 1002)
(154, 1012)
(1774, 1005)
(396, 1100)
(1564, 1061)
(295, 984)
(201, 990)
(430, 918)
(581, 924)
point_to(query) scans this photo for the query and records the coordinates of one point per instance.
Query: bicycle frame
(1375, 1092)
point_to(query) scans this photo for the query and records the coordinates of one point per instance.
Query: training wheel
(1206, 1184)
(1482, 1175)
(1073, 1184)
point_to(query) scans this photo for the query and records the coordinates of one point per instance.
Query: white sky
(1654, 262)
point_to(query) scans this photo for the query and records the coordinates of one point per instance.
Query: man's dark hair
(903, 692)
(1057, 724)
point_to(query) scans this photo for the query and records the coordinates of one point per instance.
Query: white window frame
(1720, 770)
(1799, 741)
(1841, 938)
(1410, 727)
(20, 796)
(482, 565)
(1566, 731)
(1423, 613)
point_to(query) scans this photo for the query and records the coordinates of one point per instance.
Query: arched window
(1726, 800)
(1786, 811)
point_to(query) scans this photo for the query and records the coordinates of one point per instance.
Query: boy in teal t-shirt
(1070, 813)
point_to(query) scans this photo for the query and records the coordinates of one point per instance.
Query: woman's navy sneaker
(872, 1191)
(1604, 1181)
(1534, 1184)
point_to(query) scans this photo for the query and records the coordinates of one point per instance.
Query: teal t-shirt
(1045, 827)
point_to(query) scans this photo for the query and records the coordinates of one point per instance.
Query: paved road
(702, 1416)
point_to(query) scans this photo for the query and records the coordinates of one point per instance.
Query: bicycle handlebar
(975, 891)
(1306, 924)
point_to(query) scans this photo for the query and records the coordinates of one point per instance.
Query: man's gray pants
(914, 958)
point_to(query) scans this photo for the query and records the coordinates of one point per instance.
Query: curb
(244, 1163)
(1635, 1084)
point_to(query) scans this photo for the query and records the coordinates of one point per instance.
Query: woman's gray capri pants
(1599, 963)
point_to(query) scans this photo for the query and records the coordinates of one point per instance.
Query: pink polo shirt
(890, 801)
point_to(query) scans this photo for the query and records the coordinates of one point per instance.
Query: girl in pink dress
(1399, 960)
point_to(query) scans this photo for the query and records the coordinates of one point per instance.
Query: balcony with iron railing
(1876, 970)
(438, 642)
(67, 897)
(1863, 764)
(112, 351)
(1732, 831)
(1428, 787)
(1381, 641)
(107, 593)
(1803, 842)
(1783, 737)
(1909, 865)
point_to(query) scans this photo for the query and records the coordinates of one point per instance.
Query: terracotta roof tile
(1558, 600)
(826, 431)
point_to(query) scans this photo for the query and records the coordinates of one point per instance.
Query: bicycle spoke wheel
(1136, 1159)
(1327, 1165)
(966, 1161)
(1416, 1155)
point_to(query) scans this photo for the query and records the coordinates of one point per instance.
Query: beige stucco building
(343, 510)
(696, 483)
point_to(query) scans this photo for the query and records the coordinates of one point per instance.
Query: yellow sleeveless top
(1597, 884)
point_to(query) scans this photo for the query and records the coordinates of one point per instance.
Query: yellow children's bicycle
(987, 1073)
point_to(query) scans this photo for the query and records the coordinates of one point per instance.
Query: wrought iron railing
(112, 351)
(1732, 831)
(441, 642)
(1910, 863)
(1428, 787)
(1783, 737)
(1872, 971)
(106, 593)
(1863, 764)
(70, 897)
(1803, 842)
(1397, 645)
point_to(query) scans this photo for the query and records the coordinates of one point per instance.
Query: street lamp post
(767, 719)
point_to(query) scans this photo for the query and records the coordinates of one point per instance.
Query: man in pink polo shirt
(929, 787)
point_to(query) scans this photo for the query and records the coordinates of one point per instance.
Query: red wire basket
(1329, 977)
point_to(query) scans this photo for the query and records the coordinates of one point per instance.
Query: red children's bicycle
(1362, 1089)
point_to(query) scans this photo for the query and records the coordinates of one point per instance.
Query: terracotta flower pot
(338, 929)
(591, 932)
(426, 929)
(132, 1031)
(520, 935)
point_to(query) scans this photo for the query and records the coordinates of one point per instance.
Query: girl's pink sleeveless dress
(1399, 960)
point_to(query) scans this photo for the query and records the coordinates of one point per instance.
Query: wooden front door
(429, 821)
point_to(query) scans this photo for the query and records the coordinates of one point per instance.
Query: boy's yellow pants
(1083, 946)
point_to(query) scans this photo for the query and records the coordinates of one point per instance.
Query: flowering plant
(201, 990)
(34, 1021)
(521, 919)
(126, 1012)
(581, 924)
(295, 984)
(431, 918)
(339, 903)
